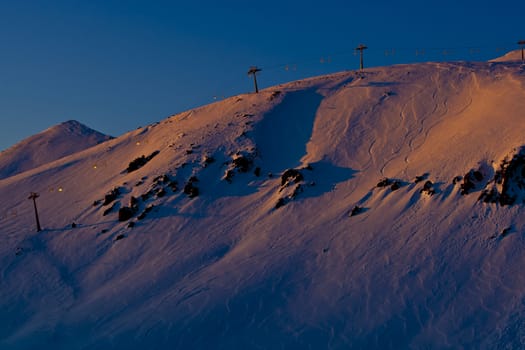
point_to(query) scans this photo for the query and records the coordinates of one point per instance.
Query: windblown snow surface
(49, 145)
(259, 222)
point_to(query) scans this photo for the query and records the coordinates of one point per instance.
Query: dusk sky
(118, 65)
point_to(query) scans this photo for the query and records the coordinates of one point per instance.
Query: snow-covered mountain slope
(377, 210)
(509, 56)
(49, 145)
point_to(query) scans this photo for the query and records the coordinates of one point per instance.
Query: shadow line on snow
(326, 176)
(283, 133)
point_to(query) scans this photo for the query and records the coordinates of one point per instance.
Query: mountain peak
(49, 145)
(71, 127)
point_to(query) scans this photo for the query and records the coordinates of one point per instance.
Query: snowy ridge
(510, 56)
(52, 144)
(342, 211)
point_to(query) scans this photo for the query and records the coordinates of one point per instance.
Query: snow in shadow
(283, 133)
(324, 178)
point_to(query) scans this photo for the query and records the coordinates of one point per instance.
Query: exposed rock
(291, 175)
(428, 188)
(125, 213)
(242, 163)
(384, 182)
(139, 162)
(508, 184)
(191, 190)
(356, 210)
(395, 185)
(111, 196)
(470, 181)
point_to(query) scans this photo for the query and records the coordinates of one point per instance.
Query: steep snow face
(357, 210)
(410, 120)
(49, 145)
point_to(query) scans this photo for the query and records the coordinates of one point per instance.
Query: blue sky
(117, 65)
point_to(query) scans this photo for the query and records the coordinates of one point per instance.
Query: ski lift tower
(360, 48)
(253, 71)
(34, 196)
(521, 43)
